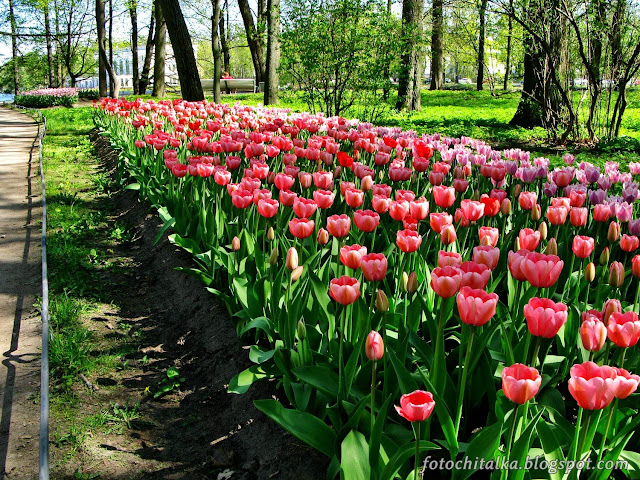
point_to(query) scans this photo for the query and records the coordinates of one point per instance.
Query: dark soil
(200, 431)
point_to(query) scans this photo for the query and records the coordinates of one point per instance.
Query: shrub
(47, 97)
(89, 94)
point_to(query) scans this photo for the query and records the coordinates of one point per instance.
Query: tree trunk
(419, 59)
(102, 51)
(253, 41)
(133, 13)
(183, 51)
(481, 37)
(102, 72)
(272, 83)
(58, 57)
(14, 46)
(215, 47)
(406, 75)
(224, 41)
(159, 87)
(47, 28)
(509, 35)
(437, 46)
(148, 53)
(112, 84)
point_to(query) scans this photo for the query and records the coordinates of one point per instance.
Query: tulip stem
(636, 307)
(512, 429)
(463, 380)
(417, 458)
(439, 352)
(583, 436)
(340, 356)
(373, 398)
(536, 349)
(612, 413)
(574, 444)
(573, 257)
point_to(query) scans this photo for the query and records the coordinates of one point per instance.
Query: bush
(47, 97)
(89, 94)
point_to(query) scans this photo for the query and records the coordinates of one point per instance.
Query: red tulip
(304, 207)
(416, 406)
(527, 200)
(374, 346)
(601, 212)
(324, 198)
(439, 220)
(449, 259)
(542, 270)
(339, 225)
(344, 186)
(516, 259)
(635, 266)
(398, 210)
(492, 234)
(242, 198)
(381, 203)
(435, 178)
(381, 189)
(486, 255)
(474, 275)
(301, 227)
(583, 246)
(628, 383)
(520, 383)
(472, 210)
(323, 180)
(408, 241)
(366, 220)
(354, 197)
(545, 317)
(593, 334)
(592, 386)
(557, 215)
(351, 255)
(444, 196)
(623, 329)
(374, 267)
(610, 306)
(445, 281)
(578, 216)
(222, 177)
(491, 206)
(344, 290)
(460, 184)
(475, 306)
(287, 197)
(268, 207)
(629, 243)
(283, 181)
(529, 239)
(419, 209)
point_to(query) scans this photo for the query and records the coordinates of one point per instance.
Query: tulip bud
(516, 245)
(412, 283)
(403, 281)
(273, 258)
(323, 237)
(593, 334)
(476, 195)
(366, 184)
(337, 172)
(635, 266)
(292, 259)
(517, 190)
(382, 302)
(295, 275)
(614, 232)
(374, 346)
(505, 207)
(542, 228)
(604, 256)
(590, 272)
(448, 234)
(552, 247)
(616, 274)
(610, 306)
(302, 330)
(271, 234)
(235, 244)
(536, 212)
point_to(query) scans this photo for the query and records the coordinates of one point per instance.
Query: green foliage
(337, 53)
(89, 94)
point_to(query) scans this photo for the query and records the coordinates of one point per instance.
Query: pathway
(20, 275)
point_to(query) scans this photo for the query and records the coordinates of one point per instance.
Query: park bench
(231, 85)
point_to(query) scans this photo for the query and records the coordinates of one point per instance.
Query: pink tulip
(628, 383)
(374, 346)
(416, 406)
(490, 233)
(445, 281)
(529, 239)
(520, 383)
(542, 270)
(593, 334)
(344, 290)
(351, 255)
(475, 306)
(623, 329)
(444, 196)
(449, 259)
(545, 317)
(374, 267)
(408, 241)
(592, 386)
(339, 225)
(486, 255)
(472, 210)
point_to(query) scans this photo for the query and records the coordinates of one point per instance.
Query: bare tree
(102, 51)
(482, 13)
(132, 6)
(224, 40)
(148, 53)
(256, 46)
(47, 29)
(159, 59)
(14, 45)
(507, 66)
(437, 45)
(215, 47)
(412, 11)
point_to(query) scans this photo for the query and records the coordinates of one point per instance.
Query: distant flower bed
(47, 97)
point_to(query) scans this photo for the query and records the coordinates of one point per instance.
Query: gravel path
(20, 275)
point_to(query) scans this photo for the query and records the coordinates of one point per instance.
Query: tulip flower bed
(47, 97)
(414, 297)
